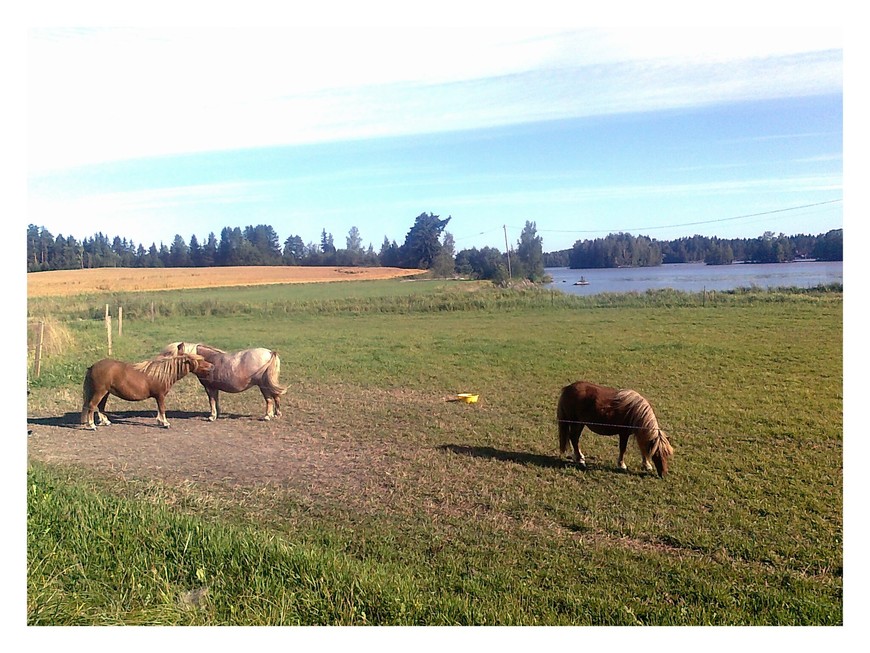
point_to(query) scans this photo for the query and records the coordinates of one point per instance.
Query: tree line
(426, 246)
(626, 250)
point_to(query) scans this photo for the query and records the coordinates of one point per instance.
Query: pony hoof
(267, 418)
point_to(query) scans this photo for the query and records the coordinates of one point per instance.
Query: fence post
(109, 332)
(120, 321)
(37, 363)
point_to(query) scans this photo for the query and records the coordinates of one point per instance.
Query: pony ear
(180, 348)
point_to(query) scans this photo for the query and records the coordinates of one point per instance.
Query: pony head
(198, 365)
(661, 452)
(179, 349)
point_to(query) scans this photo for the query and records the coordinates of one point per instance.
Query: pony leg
(644, 454)
(212, 404)
(570, 432)
(579, 458)
(272, 408)
(101, 410)
(88, 417)
(623, 445)
(89, 409)
(161, 412)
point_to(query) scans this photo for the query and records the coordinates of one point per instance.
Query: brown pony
(236, 372)
(134, 382)
(608, 411)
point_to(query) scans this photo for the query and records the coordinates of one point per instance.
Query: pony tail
(87, 395)
(272, 372)
(564, 424)
(563, 437)
(87, 387)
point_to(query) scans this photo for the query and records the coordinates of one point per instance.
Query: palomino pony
(237, 372)
(150, 379)
(608, 411)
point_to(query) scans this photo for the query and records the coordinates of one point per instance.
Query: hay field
(63, 283)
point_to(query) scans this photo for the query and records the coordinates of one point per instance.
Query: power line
(672, 226)
(691, 224)
(482, 233)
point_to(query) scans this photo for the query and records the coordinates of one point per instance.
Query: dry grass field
(61, 283)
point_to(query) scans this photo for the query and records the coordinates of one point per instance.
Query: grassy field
(461, 514)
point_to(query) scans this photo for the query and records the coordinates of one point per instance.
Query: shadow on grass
(538, 460)
(520, 457)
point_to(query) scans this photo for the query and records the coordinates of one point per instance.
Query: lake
(697, 277)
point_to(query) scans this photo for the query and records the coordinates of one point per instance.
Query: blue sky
(150, 132)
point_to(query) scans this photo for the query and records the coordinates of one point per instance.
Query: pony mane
(635, 410)
(166, 370)
(189, 348)
(638, 413)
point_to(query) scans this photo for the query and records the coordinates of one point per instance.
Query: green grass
(476, 522)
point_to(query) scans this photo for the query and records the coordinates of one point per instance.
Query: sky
(156, 131)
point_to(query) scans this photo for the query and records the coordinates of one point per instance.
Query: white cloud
(107, 94)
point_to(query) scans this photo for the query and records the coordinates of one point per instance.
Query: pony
(609, 411)
(237, 372)
(151, 379)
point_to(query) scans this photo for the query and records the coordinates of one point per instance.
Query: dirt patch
(233, 451)
(314, 451)
(64, 283)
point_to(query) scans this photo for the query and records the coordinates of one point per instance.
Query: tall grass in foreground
(466, 515)
(99, 559)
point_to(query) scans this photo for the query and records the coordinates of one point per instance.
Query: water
(696, 277)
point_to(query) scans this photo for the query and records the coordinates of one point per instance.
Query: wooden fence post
(37, 364)
(120, 321)
(109, 332)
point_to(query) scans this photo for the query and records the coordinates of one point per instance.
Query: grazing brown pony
(150, 379)
(608, 411)
(236, 372)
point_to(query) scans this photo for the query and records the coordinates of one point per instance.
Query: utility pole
(507, 249)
